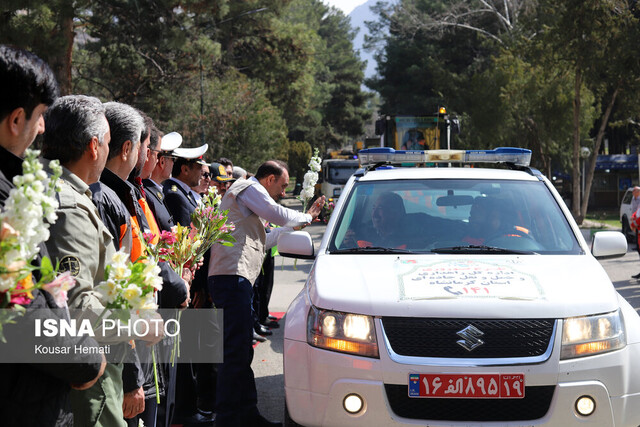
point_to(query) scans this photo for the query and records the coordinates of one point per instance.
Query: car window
(338, 173)
(427, 215)
(627, 197)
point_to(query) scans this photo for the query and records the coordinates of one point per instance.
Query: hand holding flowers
(184, 246)
(24, 224)
(130, 286)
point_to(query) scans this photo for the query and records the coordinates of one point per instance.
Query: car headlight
(589, 335)
(343, 332)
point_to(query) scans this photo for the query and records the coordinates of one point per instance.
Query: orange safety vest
(151, 220)
(138, 246)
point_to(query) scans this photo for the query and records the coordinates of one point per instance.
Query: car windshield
(463, 216)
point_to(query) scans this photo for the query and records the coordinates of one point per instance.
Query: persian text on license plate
(477, 386)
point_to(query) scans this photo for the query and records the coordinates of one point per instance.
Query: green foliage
(510, 69)
(299, 155)
(338, 106)
(45, 28)
(238, 121)
(532, 104)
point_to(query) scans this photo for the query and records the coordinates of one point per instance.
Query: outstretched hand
(316, 208)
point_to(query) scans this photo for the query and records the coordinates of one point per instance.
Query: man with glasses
(220, 178)
(186, 173)
(156, 171)
(205, 182)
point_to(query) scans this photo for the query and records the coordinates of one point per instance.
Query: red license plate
(476, 386)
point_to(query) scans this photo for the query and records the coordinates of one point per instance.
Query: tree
(131, 50)
(240, 121)
(299, 156)
(47, 29)
(531, 103)
(427, 63)
(598, 41)
(338, 106)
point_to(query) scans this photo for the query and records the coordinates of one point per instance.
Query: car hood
(505, 286)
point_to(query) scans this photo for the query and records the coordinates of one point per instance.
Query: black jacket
(117, 202)
(110, 197)
(155, 199)
(180, 204)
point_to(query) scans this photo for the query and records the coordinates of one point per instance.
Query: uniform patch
(70, 264)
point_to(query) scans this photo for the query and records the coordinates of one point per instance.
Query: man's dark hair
(148, 126)
(126, 124)
(225, 162)
(26, 81)
(71, 122)
(271, 167)
(176, 170)
(156, 134)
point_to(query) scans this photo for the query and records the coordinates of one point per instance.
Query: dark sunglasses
(206, 175)
(166, 156)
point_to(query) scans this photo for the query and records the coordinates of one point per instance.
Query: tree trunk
(575, 174)
(61, 64)
(594, 156)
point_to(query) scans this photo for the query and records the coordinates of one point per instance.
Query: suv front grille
(425, 337)
(533, 406)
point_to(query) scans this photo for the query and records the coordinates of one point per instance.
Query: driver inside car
(488, 221)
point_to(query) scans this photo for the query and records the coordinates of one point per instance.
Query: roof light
(442, 110)
(518, 156)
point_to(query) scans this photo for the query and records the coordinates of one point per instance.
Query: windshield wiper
(372, 250)
(475, 249)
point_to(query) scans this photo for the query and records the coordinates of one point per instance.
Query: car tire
(626, 230)
(288, 421)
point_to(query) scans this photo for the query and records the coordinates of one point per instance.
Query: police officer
(156, 171)
(186, 173)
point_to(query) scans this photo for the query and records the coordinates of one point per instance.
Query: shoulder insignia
(160, 195)
(174, 188)
(71, 264)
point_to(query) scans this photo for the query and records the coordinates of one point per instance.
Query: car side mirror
(608, 244)
(297, 244)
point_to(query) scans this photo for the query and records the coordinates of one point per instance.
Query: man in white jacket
(232, 272)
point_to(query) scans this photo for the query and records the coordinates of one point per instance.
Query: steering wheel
(515, 238)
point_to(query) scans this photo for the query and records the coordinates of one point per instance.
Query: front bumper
(317, 381)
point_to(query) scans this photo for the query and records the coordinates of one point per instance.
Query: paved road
(290, 279)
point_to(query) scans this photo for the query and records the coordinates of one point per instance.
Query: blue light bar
(517, 156)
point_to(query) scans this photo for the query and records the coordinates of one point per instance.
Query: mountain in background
(359, 16)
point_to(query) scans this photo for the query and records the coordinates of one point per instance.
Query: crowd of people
(123, 178)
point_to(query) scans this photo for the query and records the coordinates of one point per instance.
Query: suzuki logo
(470, 337)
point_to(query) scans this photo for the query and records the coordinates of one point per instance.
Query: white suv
(458, 296)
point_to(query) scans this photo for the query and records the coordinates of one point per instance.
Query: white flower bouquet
(310, 180)
(24, 224)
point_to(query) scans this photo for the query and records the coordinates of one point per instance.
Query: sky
(345, 5)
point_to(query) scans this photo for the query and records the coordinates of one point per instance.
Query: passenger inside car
(386, 228)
